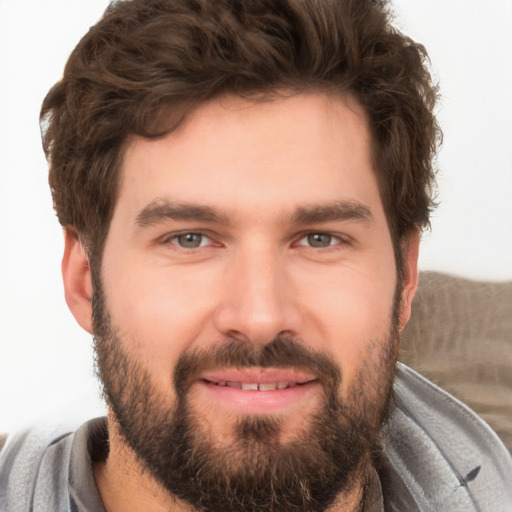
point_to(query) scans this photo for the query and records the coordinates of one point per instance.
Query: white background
(46, 371)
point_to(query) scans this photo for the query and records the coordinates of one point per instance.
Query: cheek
(352, 309)
(160, 312)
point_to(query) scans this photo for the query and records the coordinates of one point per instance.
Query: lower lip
(258, 402)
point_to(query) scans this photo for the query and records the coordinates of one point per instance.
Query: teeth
(271, 386)
(253, 386)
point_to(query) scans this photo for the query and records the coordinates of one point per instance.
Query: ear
(77, 280)
(410, 251)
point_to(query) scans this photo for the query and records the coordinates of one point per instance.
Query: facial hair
(257, 472)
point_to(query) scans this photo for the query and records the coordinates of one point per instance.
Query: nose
(257, 301)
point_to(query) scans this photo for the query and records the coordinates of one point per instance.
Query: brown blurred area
(460, 337)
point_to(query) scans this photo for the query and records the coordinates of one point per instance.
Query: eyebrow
(339, 210)
(160, 210)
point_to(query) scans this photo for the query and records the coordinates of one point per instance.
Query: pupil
(190, 240)
(319, 240)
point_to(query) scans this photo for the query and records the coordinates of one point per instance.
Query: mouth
(258, 390)
(258, 386)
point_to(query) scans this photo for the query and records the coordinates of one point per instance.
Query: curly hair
(148, 63)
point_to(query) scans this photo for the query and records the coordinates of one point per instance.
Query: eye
(319, 240)
(191, 240)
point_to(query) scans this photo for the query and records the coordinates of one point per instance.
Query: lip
(243, 401)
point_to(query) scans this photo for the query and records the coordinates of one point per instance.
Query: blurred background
(46, 370)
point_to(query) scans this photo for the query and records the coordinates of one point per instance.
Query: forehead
(285, 152)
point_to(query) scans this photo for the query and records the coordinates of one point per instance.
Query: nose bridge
(256, 303)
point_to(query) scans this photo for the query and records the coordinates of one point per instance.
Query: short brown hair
(147, 63)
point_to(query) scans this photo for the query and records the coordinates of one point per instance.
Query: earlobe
(410, 252)
(76, 274)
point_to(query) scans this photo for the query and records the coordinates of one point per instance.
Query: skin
(255, 273)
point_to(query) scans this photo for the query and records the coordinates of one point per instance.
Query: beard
(257, 471)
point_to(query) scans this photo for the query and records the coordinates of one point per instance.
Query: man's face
(249, 287)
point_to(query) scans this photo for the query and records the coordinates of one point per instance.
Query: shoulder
(442, 452)
(26, 458)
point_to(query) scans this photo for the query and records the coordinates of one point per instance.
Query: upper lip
(258, 375)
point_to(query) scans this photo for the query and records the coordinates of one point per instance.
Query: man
(242, 187)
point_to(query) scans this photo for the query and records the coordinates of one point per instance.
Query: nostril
(237, 335)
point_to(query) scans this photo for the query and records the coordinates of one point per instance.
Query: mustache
(282, 352)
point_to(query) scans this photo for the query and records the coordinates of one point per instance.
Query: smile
(258, 390)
